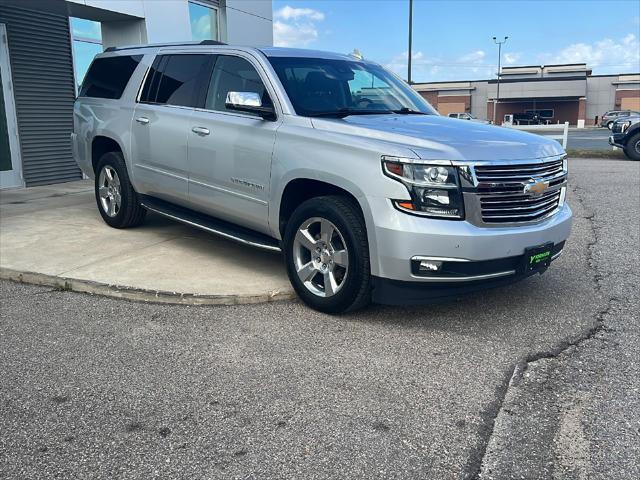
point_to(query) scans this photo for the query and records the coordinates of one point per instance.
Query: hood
(436, 137)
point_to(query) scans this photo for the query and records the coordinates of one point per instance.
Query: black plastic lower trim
(210, 224)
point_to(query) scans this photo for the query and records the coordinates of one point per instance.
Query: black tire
(632, 147)
(346, 216)
(609, 125)
(130, 213)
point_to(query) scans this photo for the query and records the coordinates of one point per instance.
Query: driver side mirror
(249, 102)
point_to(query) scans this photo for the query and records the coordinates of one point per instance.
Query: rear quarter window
(108, 77)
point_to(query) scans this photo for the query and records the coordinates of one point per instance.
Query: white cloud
(287, 35)
(425, 68)
(295, 27)
(289, 13)
(476, 57)
(605, 55)
(511, 58)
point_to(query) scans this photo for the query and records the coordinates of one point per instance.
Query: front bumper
(400, 237)
(478, 276)
(616, 140)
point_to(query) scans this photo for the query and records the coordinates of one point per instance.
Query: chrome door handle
(201, 131)
(142, 120)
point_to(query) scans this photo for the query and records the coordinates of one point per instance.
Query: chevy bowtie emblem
(536, 187)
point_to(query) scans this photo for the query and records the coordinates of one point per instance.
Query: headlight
(625, 125)
(435, 189)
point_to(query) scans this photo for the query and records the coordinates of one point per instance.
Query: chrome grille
(500, 190)
(518, 208)
(512, 177)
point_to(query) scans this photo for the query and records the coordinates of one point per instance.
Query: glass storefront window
(204, 22)
(86, 37)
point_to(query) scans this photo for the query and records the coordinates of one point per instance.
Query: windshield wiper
(409, 111)
(345, 112)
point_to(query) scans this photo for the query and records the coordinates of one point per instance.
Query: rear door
(229, 151)
(162, 122)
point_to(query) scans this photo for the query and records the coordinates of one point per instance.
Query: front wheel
(632, 148)
(117, 201)
(327, 254)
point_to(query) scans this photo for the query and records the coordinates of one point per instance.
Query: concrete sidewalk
(55, 236)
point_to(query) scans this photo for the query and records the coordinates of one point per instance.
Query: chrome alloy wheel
(109, 191)
(637, 146)
(321, 257)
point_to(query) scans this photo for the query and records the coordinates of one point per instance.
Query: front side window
(204, 22)
(176, 79)
(326, 87)
(234, 74)
(107, 77)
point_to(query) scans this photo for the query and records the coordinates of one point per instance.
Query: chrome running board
(210, 224)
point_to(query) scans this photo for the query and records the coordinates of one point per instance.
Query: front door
(10, 163)
(162, 122)
(229, 151)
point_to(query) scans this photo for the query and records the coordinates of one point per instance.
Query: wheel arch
(102, 144)
(299, 189)
(631, 131)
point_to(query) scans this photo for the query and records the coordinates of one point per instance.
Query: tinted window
(108, 77)
(150, 88)
(318, 86)
(233, 74)
(176, 79)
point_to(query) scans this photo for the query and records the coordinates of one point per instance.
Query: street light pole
(410, 40)
(495, 100)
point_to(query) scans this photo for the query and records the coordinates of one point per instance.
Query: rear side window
(177, 80)
(108, 77)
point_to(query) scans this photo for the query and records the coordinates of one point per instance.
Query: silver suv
(368, 192)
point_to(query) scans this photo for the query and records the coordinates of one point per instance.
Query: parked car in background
(625, 134)
(330, 159)
(466, 116)
(527, 118)
(611, 116)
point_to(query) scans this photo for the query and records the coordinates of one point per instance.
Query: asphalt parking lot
(589, 139)
(536, 380)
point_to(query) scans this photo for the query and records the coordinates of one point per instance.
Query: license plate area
(538, 258)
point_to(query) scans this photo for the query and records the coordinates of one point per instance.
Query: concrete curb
(138, 294)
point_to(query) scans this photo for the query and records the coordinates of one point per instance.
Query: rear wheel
(117, 201)
(632, 148)
(609, 125)
(327, 254)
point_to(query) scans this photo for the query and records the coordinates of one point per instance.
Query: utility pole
(495, 100)
(410, 40)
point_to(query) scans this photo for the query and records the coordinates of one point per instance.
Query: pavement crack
(515, 374)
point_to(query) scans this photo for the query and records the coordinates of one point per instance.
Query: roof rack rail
(211, 42)
(155, 45)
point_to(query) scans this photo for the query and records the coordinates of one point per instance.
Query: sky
(452, 40)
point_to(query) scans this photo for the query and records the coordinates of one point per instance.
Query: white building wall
(125, 7)
(601, 95)
(242, 22)
(479, 98)
(124, 32)
(248, 22)
(167, 21)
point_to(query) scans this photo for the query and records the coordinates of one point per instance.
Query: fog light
(430, 266)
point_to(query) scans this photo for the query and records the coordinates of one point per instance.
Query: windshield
(322, 87)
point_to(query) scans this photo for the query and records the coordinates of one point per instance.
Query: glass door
(10, 164)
